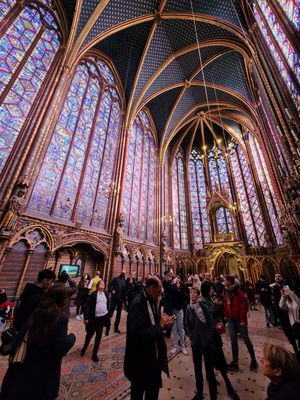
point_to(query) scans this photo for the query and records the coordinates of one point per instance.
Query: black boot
(253, 365)
(233, 394)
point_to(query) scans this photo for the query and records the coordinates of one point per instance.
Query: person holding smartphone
(278, 287)
(290, 302)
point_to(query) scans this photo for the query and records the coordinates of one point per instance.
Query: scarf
(198, 311)
(151, 315)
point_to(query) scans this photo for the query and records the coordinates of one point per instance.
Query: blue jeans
(269, 315)
(234, 327)
(178, 329)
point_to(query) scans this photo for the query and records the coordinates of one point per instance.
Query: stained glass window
(281, 38)
(292, 10)
(248, 202)
(166, 214)
(219, 176)
(274, 135)
(48, 3)
(223, 221)
(76, 175)
(27, 51)
(218, 171)
(179, 203)
(139, 192)
(5, 7)
(277, 57)
(201, 233)
(267, 187)
(106, 72)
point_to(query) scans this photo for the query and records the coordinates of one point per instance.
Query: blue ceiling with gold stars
(175, 57)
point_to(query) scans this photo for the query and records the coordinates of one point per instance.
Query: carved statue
(296, 210)
(193, 246)
(285, 234)
(164, 247)
(119, 236)
(267, 239)
(15, 209)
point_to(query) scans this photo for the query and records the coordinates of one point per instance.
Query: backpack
(9, 340)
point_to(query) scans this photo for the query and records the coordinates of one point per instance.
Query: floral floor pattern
(83, 379)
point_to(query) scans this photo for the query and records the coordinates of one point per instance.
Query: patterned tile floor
(82, 379)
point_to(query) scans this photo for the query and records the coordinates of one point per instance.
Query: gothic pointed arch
(139, 199)
(198, 199)
(180, 227)
(76, 180)
(31, 37)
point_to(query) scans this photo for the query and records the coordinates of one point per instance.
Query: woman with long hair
(38, 376)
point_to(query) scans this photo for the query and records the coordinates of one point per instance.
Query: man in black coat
(117, 288)
(264, 291)
(146, 350)
(31, 296)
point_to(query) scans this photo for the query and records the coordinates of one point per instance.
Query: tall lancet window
(219, 178)
(201, 233)
(247, 198)
(179, 203)
(267, 187)
(224, 221)
(292, 11)
(5, 7)
(139, 200)
(165, 210)
(76, 178)
(280, 48)
(280, 37)
(218, 172)
(28, 46)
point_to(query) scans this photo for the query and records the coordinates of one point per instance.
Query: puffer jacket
(235, 304)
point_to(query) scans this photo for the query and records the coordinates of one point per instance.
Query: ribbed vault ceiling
(182, 59)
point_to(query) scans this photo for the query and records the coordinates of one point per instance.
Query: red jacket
(235, 305)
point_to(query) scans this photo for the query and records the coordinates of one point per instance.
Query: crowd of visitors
(195, 310)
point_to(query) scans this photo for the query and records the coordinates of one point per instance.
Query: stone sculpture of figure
(164, 246)
(267, 239)
(193, 246)
(285, 233)
(296, 210)
(119, 246)
(15, 209)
